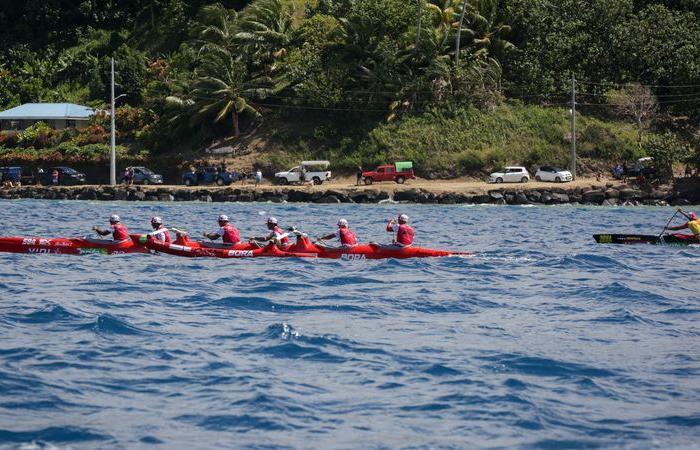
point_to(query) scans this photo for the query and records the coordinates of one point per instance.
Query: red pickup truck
(390, 172)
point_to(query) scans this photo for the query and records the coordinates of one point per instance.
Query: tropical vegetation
(459, 86)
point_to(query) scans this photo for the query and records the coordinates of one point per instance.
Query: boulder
(137, 196)
(328, 199)
(596, 197)
(631, 194)
(166, 197)
(560, 198)
(534, 196)
(612, 193)
(481, 199)
(447, 198)
(410, 195)
(496, 196)
(521, 198)
(121, 194)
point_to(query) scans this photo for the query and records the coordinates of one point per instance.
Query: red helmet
(693, 216)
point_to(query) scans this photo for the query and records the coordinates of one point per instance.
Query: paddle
(666, 227)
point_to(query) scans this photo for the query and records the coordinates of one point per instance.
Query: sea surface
(541, 340)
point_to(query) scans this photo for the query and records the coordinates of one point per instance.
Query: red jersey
(229, 234)
(162, 235)
(346, 236)
(120, 233)
(404, 233)
(281, 236)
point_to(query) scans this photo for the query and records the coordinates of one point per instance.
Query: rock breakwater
(606, 195)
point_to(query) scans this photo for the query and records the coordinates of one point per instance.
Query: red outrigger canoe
(303, 248)
(197, 249)
(73, 246)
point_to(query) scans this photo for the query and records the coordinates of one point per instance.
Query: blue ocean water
(541, 340)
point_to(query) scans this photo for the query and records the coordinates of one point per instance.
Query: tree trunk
(639, 132)
(459, 31)
(419, 25)
(236, 129)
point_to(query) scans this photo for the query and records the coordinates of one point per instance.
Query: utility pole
(112, 138)
(573, 126)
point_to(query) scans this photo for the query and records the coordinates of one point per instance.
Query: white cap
(223, 218)
(272, 220)
(342, 223)
(403, 218)
(114, 218)
(157, 220)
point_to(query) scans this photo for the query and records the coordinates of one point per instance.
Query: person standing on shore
(54, 177)
(227, 232)
(403, 233)
(358, 176)
(258, 177)
(118, 231)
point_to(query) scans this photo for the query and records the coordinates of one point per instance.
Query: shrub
(9, 139)
(37, 135)
(666, 149)
(92, 134)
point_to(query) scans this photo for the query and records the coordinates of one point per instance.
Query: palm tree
(484, 34)
(225, 89)
(217, 28)
(265, 29)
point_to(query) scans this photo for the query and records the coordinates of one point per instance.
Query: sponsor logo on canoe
(97, 251)
(605, 239)
(42, 250)
(240, 253)
(28, 241)
(352, 257)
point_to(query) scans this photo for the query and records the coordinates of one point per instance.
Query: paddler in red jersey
(276, 235)
(159, 231)
(118, 231)
(227, 232)
(404, 233)
(345, 237)
(693, 224)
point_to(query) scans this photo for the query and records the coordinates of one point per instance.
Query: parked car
(66, 176)
(15, 174)
(555, 174)
(143, 175)
(643, 166)
(511, 174)
(208, 175)
(315, 171)
(398, 172)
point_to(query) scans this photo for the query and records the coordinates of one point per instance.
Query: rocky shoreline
(606, 195)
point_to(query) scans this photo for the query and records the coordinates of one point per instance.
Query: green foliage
(666, 149)
(194, 71)
(37, 135)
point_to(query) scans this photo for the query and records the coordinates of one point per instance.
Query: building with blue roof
(57, 115)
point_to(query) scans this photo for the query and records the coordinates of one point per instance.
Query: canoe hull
(631, 239)
(72, 246)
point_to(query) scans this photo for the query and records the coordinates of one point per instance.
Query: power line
(639, 84)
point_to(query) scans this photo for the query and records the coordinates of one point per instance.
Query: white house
(56, 115)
